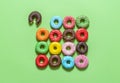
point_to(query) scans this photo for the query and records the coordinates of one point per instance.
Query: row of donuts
(43, 34)
(68, 48)
(67, 62)
(69, 22)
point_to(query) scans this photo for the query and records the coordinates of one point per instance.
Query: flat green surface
(17, 41)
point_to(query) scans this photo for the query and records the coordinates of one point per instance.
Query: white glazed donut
(68, 48)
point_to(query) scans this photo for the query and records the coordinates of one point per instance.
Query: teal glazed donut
(57, 25)
(41, 47)
(68, 62)
(82, 21)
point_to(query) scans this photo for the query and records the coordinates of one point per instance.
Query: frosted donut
(66, 21)
(42, 34)
(55, 48)
(68, 62)
(68, 48)
(81, 61)
(57, 19)
(55, 35)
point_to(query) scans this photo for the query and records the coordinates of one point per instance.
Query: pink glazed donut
(81, 61)
(66, 21)
(68, 48)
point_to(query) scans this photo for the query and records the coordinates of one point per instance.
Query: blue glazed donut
(57, 25)
(68, 62)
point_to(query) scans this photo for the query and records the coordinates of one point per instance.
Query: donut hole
(41, 61)
(68, 48)
(54, 61)
(82, 20)
(81, 61)
(68, 61)
(82, 47)
(42, 47)
(82, 34)
(42, 34)
(34, 17)
(55, 48)
(69, 22)
(56, 22)
(55, 35)
(69, 34)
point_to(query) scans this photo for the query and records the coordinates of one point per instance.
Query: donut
(82, 22)
(68, 48)
(41, 61)
(56, 22)
(82, 47)
(54, 61)
(68, 62)
(55, 35)
(81, 35)
(69, 22)
(68, 35)
(42, 34)
(81, 61)
(35, 15)
(41, 47)
(55, 48)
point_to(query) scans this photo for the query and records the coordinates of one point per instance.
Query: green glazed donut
(41, 47)
(82, 21)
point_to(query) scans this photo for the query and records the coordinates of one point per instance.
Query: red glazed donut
(81, 35)
(44, 60)
(55, 35)
(66, 21)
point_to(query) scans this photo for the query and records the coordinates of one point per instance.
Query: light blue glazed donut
(68, 62)
(56, 25)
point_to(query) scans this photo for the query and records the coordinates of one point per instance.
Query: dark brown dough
(35, 15)
(55, 58)
(71, 34)
(82, 47)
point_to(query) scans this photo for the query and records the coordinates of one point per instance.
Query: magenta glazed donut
(69, 22)
(81, 61)
(68, 48)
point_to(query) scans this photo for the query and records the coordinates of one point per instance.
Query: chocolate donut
(35, 15)
(54, 60)
(69, 35)
(82, 47)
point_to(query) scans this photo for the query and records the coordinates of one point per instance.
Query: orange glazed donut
(42, 34)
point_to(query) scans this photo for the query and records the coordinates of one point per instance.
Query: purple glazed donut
(68, 48)
(81, 61)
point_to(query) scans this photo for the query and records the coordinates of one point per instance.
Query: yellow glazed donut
(55, 48)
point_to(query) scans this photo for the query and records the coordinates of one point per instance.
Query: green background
(17, 41)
